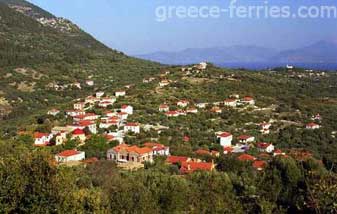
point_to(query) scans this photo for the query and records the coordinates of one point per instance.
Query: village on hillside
(111, 116)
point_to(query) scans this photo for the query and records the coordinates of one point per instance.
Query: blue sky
(131, 25)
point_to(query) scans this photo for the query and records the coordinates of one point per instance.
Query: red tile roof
(189, 167)
(202, 152)
(132, 124)
(259, 164)
(40, 135)
(78, 132)
(263, 145)
(248, 98)
(244, 137)
(246, 157)
(136, 149)
(68, 153)
(176, 159)
(225, 134)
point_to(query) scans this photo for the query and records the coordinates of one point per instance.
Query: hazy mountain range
(319, 52)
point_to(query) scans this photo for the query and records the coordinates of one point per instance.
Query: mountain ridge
(320, 52)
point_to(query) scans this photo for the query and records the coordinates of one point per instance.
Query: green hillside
(34, 56)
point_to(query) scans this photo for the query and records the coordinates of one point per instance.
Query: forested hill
(39, 51)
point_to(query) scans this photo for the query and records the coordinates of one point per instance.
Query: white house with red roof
(124, 153)
(120, 93)
(127, 109)
(42, 139)
(248, 100)
(312, 126)
(278, 152)
(79, 106)
(164, 108)
(70, 156)
(265, 147)
(230, 102)
(107, 122)
(91, 125)
(158, 149)
(105, 104)
(78, 134)
(87, 116)
(246, 139)
(172, 113)
(183, 103)
(225, 138)
(132, 127)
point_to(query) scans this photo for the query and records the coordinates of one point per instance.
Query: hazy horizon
(131, 26)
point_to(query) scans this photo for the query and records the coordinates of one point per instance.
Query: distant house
(246, 139)
(265, 147)
(158, 149)
(106, 122)
(316, 117)
(183, 103)
(248, 100)
(192, 110)
(216, 109)
(265, 128)
(227, 150)
(259, 165)
(201, 105)
(69, 156)
(202, 152)
(278, 152)
(53, 112)
(42, 139)
(91, 125)
(124, 153)
(89, 82)
(177, 159)
(132, 127)
(120, 93)
(246, 157)
(164, 108)
(60, 138)
(74, 113)
(79, 106)
(127, 109)
(230, 102)
(190, 167)
(91, 99)
(225, 139)
(78, 134)
(105, 104)
(100, 94)
(172, 113)
(86, 116)
(312, 126)
(164, 83)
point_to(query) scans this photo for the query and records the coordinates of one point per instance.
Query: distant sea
(266, 65)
